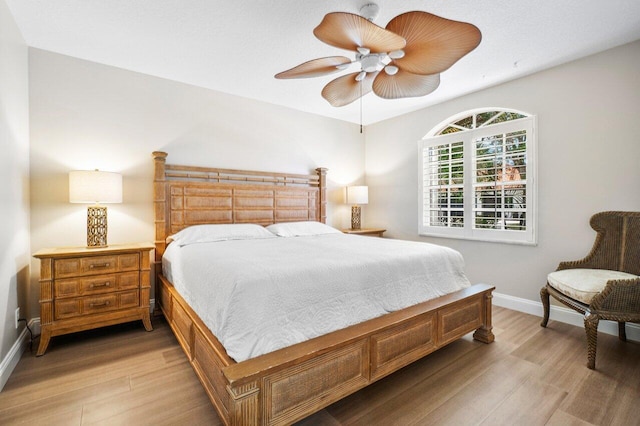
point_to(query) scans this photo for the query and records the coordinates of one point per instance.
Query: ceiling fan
(404, 59)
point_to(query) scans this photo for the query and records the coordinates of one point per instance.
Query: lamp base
(355, 217)
(96, 227)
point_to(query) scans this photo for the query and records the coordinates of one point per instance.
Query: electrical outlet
(17, 315)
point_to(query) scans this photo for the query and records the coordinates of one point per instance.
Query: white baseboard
(35, 326)
(562, 314)
(10, 361)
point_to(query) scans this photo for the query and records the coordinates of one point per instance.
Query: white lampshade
(357, 194)
(93, 186)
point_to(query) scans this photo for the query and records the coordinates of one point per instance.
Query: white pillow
(212, 233)
(301, 229)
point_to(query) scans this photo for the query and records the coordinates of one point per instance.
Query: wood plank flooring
(122, 375)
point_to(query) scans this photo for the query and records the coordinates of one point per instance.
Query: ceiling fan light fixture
(364, 51)
(396, 54)
(361, 76)
(391, 69)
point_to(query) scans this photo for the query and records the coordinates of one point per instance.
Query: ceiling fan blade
(349, 31)
(315, 68)
(404, 85)
(433, 43)
(344, 90)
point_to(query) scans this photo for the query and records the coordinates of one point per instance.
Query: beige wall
(588, 161)
(86, 115)
(14, 175)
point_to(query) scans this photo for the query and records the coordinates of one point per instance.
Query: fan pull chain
(361, 106)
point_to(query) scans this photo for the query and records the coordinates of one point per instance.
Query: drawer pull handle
(104, 284)
(99, 265)
(99, 305)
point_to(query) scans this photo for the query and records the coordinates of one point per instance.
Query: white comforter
(257, 296)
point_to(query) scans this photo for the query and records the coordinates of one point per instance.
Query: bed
(292, 382)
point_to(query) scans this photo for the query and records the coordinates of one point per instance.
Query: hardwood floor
(122, 375)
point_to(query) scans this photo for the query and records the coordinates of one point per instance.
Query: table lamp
(94, 186)
(357, 195)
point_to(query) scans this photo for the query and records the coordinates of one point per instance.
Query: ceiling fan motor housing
(371, 62)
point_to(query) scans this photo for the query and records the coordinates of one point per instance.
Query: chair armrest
(586, 263)
(595, 260)
(619, 301)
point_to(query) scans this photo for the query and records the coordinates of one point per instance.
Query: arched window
(477, 177)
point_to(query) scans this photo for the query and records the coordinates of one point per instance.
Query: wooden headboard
(188, 195)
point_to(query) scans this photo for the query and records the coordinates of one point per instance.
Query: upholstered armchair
(605, 285)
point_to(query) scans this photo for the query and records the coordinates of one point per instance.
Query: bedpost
(484, 333)
(159, 202)
(160, 219)
(244, 409)
(322, 174)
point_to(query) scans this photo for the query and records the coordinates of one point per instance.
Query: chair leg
(591, 327)
(544, 296)
(622, 332)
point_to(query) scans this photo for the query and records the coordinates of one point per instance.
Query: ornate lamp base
(355, 217)
(96, 227)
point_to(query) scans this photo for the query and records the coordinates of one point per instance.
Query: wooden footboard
(289, 384)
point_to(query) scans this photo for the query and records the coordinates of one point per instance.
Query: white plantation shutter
(500, 183)
(477, 179)
(443, 174)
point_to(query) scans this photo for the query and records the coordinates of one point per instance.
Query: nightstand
(371, 232)
(83, 288)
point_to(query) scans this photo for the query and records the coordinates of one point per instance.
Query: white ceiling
(237, 46)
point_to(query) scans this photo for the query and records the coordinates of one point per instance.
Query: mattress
(257, 296)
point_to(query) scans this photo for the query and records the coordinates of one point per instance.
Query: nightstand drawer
(69, 308)
(128, 299)
(93, 304)
(107, 302)
(129, 280)
(94, 265)
(74, 287)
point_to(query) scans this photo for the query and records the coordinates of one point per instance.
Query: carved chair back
(617, 245)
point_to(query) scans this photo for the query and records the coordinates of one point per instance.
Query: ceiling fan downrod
(370, 11)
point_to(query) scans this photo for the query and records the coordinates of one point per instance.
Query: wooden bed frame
(289, 384)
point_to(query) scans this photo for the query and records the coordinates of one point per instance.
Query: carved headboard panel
(187, 195)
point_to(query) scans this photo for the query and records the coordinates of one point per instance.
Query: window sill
(480, 239)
